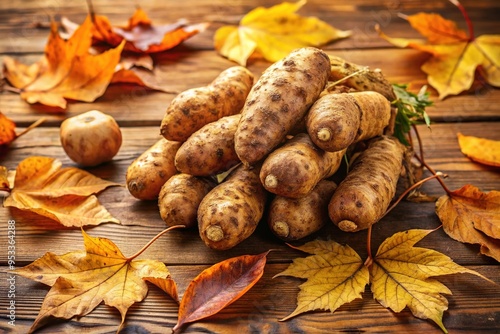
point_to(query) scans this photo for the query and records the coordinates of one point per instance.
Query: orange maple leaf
(67, 71)
(482, 150)
(455, 54)
(140, 35)
(7, 130)
(62, 194)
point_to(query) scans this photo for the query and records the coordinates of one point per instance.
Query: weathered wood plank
(141, 220)
(23, 23)
(474, 306)
(184, 69)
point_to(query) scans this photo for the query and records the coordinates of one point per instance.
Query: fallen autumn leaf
(455, 56)
(218, 286)
(482, 150)
(471, 216)
(81, 280)
(273, 33)
(62, 194)
(67, 71)
(335, 276)
(401, 276)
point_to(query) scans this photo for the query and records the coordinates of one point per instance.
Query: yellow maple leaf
(482, 150)
(67, 71)
(62, 194)
(273, 33)
(471, 216)
(401, 276)
(455, 55)
(335, 276)
(81, 280)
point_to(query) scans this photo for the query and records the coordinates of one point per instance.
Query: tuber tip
(347, 226)
(281, 229)
(214, 233)
(271, 181)
(324, 134)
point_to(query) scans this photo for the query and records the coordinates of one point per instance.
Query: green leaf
(410, 110)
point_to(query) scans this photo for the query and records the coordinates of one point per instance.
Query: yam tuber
(180, 198)
(231, 211)
(335, 121)
(292, 219)
(147, 174)
(364, 195)
(295, 168)
(210, 150)
(365, 80)
(193, 108)
(279, 99)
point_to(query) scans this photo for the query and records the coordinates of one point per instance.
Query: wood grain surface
(474, 306)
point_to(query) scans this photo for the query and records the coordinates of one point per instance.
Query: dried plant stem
(437, 175)
(422, 161)
(11, 89)
(130, 258)
(32, 126)
(468, 21)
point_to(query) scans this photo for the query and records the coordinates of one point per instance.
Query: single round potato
(91, 138)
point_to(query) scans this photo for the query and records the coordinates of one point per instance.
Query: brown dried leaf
(140, 35)
(471, 216)
(218, 286)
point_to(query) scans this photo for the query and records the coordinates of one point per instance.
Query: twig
(415, 185)
(32, 126)
(130, 258)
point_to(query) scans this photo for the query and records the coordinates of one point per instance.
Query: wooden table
(474, 305)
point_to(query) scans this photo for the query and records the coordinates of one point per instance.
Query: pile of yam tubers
(277, 144)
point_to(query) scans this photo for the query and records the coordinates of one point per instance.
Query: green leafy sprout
(410, 110)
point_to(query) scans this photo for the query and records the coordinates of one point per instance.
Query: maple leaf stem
(468, 21)
(11, 89)
(6, 189)
(369, 259)
(422, 161)
(435, 175)
(32, 126)
(156, 237)
(91, 10)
